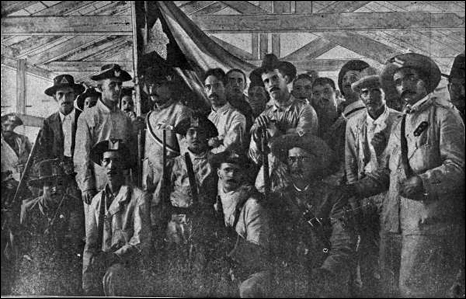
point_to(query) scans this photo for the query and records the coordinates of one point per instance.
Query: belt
(182, 211)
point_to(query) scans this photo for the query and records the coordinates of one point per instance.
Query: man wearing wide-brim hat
(456, 87)
(88, 98)
(101, 122)
(423, 170)
(315, 241)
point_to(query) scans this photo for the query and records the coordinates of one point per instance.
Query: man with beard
(366, 137)
(119, 235)
(315, 243)
(422, 220)
(101, 122)
(235, 87)
(230, 123)
(324, 100)
(166, 113)
(456, 84)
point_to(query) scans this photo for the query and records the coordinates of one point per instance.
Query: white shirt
(67, 124)
(374, 126)
(231, 126)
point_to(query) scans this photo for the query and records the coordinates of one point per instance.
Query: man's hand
(215, 142)
(412, 188)
(138, 123)
(379, 142)
(88, 195)
(262, 122)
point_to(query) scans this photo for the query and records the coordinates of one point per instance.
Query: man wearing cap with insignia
(366, 137)
(119, 235)
(316, 243)
(166, 113)
(456, 84)
(245, 231)
(87, 99)
(102, 122)
(422, 220)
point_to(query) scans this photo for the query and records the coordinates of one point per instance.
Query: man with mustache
(101, 122)
(230, 123)
(324, 99)
(315, 242)
(366, 137)
(422, 220)
(119, 233)
(302, 87)
(166, 113)
(235, 95)
(127, 102)
(456, 84)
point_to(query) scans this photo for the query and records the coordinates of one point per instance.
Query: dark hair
(323, 81)
(217, 73)
(126, 91)
(303, 76)
(239, 71)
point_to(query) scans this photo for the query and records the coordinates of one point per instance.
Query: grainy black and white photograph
(284, 149)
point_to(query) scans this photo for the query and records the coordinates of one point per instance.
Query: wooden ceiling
(78, 37)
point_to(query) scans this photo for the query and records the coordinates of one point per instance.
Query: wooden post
(21, 86)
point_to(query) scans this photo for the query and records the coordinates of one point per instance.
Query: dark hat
(13, 118)
(352, 65)
(196, 120)
(61, 81)
(112, 71)
(90, 92)
(307, 142)
(416, 61)
(457, 70)
(47, 171)
(271, 62)
(365, 82)
(229, 156)
(116, 145)
(160, 74)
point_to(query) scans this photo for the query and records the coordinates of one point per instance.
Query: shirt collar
(353, 106)
(222, 109)
(71, 115)
(380, 120)
(202, 155)
(409, 109)
(105, 108)
(290, 103)
(167, 104)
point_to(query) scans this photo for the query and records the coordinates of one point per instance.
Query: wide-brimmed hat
(61, 81)
(416, 61)
(197, 120)
(372, 81)
(48, 170)
(90, 92)
(160, 74)
(307, 142)
(116, 145)
(13, 118)
(113, 70)
(271, 62)
(352, 65)
(229, 156)
(457, 70)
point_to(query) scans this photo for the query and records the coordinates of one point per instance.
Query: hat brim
(98, 151)
(124, 75)
(82, 97)
(39, 183)
(368, 81)
(208, 127)
(17, 121)
(77, 88)
(216, 160)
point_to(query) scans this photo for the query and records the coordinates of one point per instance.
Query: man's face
(302, 89)
(457, 93)
(113, 164)
(127, 103)
(257, 99)
(409, 85)
(349, 78)
(302, 164)
(275, 84)
(111, 89)
(89, 102)
(8, 127)
(215, 91)
(324, 98)
(374, 99)
(196, 139)
(236, 84)
(65, 97)
(159, 91)
(230, 176)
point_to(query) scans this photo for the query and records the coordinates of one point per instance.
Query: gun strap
(404, 149)
(157, 139)
(191, 177)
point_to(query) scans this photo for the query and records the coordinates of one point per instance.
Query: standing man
(324, 100)
(456, 85)
(119, 235)
(235, 88)
(366, 138)
(302, 88)
(127, 102)
(422, 234)
(166, 113)
(101, 122)
(230, 123)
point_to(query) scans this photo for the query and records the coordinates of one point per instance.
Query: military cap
(115, 145)
(90, 92)
(308, 142)
(352, 65)
(457, 70)
(271, 62)
(113, 70)
(61, 81)
(366, 82)
(48, 170)
(416, 61)
(13, 117)
(160, 74)
(196, 120)
(229, 156)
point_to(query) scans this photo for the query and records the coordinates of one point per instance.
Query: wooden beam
(255, 45)
(320, 65)
(281, 7)
(211, 9)
(21, 86)
(97, 47)
(245, 7)
(344, 6)
(9, 7)
(276, 44)
(37, 71)
(312, 50)
(328, 22)
(31, 120)
(304, 7)
(263, 45)
(84, 66)
(70, 25)
(240, 53)
(193, 6)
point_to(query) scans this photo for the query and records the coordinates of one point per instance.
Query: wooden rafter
(83, 66)
(193, 6)
(232, 49)
(343, 6)
(211, 9)
(245, 7)
(311, 50)
(98, 46)
(9, 7)
(12, 63)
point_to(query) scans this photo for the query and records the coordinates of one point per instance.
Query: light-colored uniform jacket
(12, 161)
(231, 127)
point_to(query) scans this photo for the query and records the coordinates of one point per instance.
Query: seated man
(315, 241)
(119, 234)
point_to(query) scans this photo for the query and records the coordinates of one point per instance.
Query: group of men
(297, 193)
